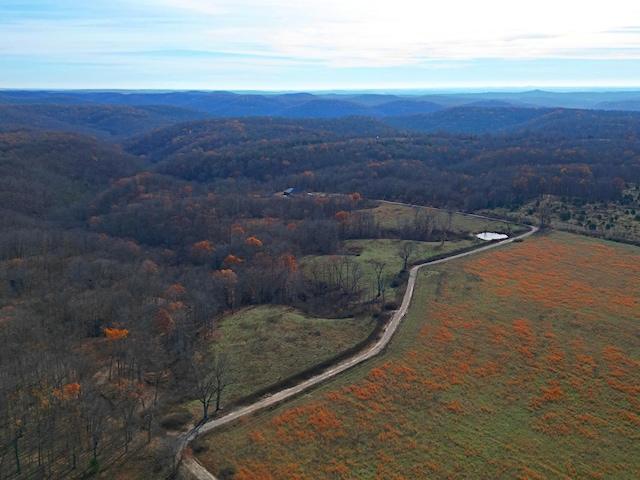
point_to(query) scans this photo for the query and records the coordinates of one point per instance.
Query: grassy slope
(389, 215)
(385, 251)
(269, 343)
(264, 344)
(523, 362)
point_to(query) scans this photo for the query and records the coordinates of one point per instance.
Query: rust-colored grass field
(520, 363)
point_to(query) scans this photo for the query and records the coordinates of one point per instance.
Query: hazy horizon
(351, 91)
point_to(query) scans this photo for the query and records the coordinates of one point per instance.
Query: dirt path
(195, 470)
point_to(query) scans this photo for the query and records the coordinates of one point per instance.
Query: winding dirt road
(190, 468)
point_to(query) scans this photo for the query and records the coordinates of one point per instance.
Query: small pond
(492, 236)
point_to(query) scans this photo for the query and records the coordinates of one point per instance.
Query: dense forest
(127, 231)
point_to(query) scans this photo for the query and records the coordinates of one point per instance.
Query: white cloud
(402, 32)
(345, 32)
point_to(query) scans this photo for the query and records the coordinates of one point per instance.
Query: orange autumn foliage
(175, 306)
(72, 389)
(174, 291)
(199, 249)
(376, 374)
(231, 261)
(288, 261)
(150, 267)
(164, 321)
(68, 392)
(257, 470)
(227, 275)
(310, 422)
(253, 242)
(553, 394)
(237, 229)
(343, 217)
(116, 333)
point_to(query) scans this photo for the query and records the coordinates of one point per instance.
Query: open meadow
(265, 345)
(390, 215)
(518, 363)
(379, 259)
(270, 343)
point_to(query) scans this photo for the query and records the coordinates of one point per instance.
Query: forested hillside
(127, 233)
(41, 171)
(104, 121)
(500, 120)
(574, 154)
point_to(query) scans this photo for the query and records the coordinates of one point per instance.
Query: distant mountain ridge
(476, 120)
(104, 121)
(632, 105)
(500, 120)
(226, 104)
(307, 105)
(117, 116)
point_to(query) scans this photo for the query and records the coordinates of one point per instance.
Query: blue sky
(318, 45)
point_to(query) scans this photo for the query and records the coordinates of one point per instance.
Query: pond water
(492, 236)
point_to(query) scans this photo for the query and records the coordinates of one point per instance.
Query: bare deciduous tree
(211, 377)
(378, 267)
(544, 213)
(405, 250)
(447, 224)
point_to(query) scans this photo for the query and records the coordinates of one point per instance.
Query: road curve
(193, 469)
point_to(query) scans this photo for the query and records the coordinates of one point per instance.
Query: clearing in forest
(267, 344)
(519, 363)
(393, 215)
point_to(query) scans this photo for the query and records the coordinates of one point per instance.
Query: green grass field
(389, 214)
(385, 251)
(522, 362)
(269, 343)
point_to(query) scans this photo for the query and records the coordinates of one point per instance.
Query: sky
(305, 45)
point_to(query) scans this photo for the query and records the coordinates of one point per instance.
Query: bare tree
(348, 276)
(211, 377)
(95, 411)
(419, 226)
(447, 223)
(544, 213)
(378, 267)
(405, 250)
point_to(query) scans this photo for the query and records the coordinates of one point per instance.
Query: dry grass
(520, 363)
